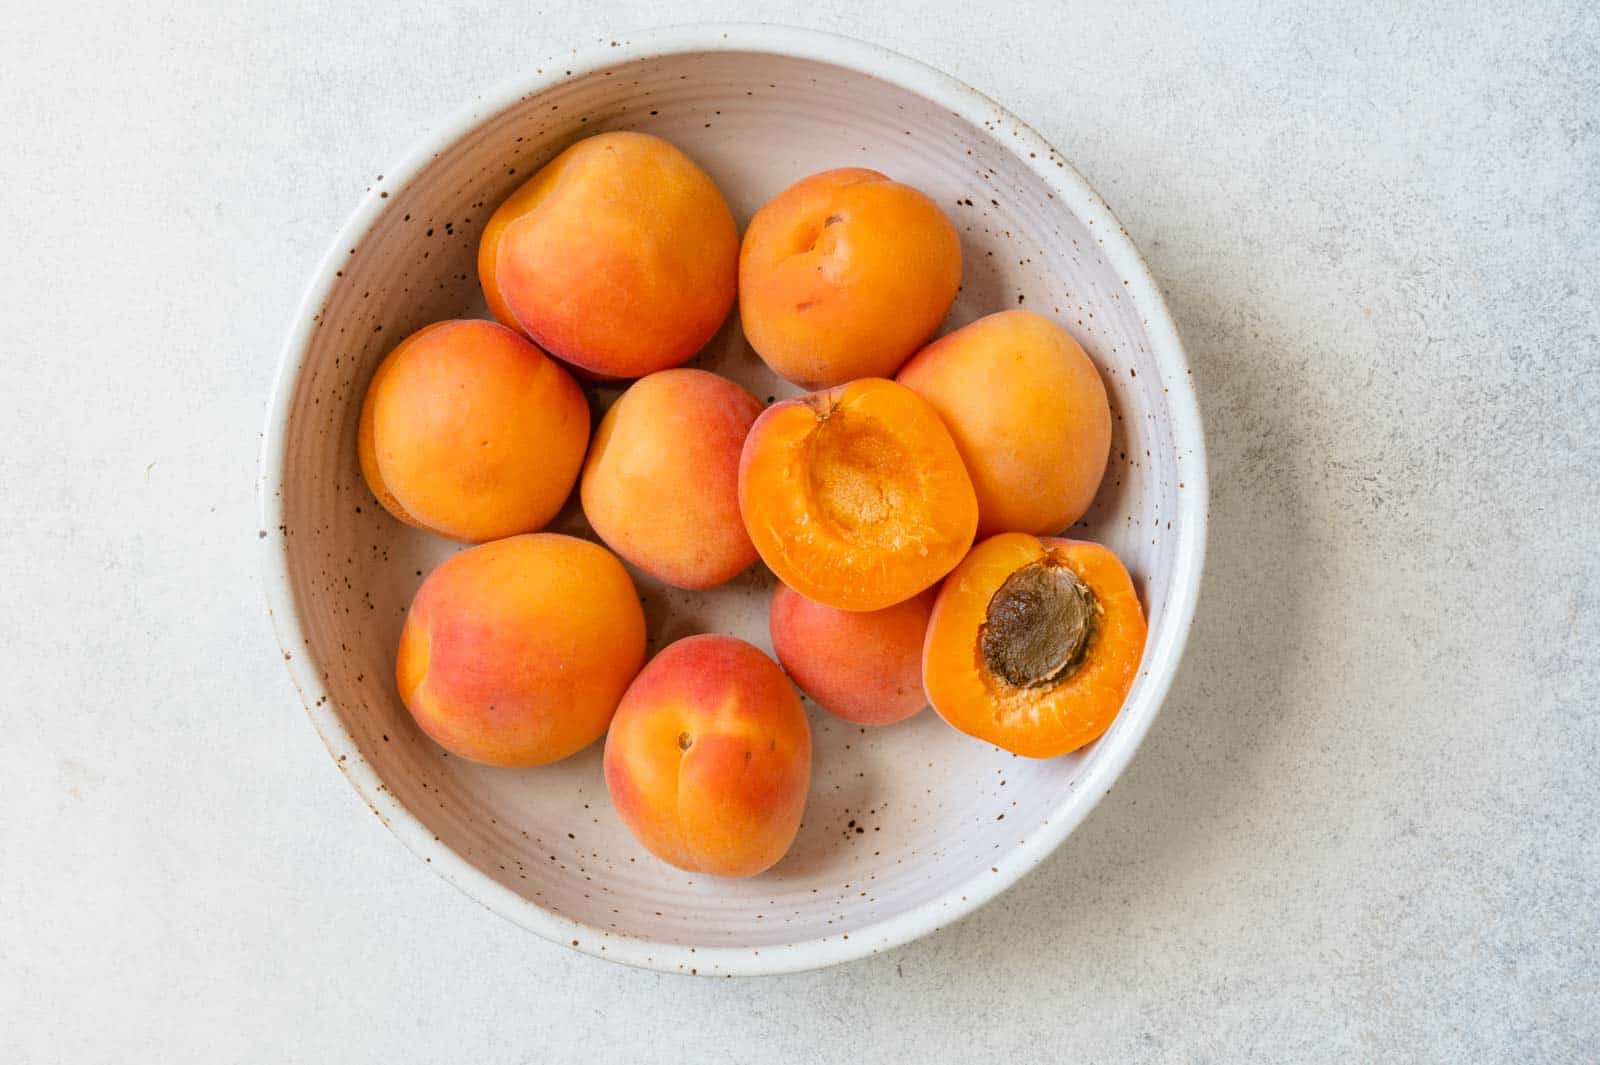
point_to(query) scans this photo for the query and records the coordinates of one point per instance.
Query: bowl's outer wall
(907, 827)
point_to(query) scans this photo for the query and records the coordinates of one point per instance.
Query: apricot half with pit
(1034, 643)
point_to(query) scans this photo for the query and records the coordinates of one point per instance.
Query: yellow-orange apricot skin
(516, 652)
(862, 666)
(661, 484)
(845, 275)
(856, 497)
(619, 256)
(708, 760)
(471, 432)
(1028, 411)
(1052, 719)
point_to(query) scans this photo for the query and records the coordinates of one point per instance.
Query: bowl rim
(1162, 657)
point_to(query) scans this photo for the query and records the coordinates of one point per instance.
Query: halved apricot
(856, 497)
(1034, 643)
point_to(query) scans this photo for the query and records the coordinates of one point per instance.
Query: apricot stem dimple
(685, 741)
(1038, 625)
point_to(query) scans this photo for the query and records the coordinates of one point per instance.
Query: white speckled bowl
(908, 827)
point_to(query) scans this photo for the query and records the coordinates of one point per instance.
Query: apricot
(708, 760)
(845, 275)
(1034, 643)
(619, 256)
(863, 666)
(661, 484)
(1028, 412)
(469, 431)
(856, 497)
(516, 652)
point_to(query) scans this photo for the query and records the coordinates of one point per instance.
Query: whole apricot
(1034, 643)
(619, 256)
(708, 760)
(863, 666)
(844, 275)
(471, 432)
(661, 484)
(1029, 414)
(515, 653)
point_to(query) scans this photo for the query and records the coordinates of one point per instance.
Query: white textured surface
(1365, 826)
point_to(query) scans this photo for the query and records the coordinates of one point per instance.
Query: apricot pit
(1037, 627)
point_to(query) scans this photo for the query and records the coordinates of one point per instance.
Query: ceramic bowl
(908, 827)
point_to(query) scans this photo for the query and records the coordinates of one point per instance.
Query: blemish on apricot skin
(685, 741)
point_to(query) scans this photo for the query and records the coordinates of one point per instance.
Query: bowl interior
(900, 819)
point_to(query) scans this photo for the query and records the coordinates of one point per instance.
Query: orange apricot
(862, 666)
(471, 432)
(661, 484)
(856, 497)
(845, 275)
(619, 256)
(1028, 412)
(708, 760)
(516, 652)
(1034, 643)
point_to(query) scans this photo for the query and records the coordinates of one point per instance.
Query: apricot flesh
(708, 760)
(844, 275)
(661, 484)
(470, 431)
(856, 497)
(619, 256)
(862, 666)
(1028, 411)
(1034, 643)
(516, 652)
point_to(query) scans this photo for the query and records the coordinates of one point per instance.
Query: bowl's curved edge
(1117, 748)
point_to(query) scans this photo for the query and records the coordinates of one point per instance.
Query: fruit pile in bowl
(763, 433)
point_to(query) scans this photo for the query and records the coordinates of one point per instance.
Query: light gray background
(1366, 826)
